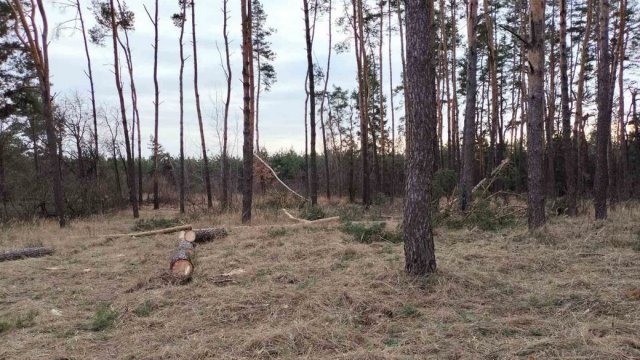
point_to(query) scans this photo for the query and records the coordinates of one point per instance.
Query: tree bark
(495, 94)
(625, 172)
(466, 182)
(247, 82)
(31, 252)
(535, 147)
(156, 110)
(312, 109)
(603, 127)
(392, 184)
(569, 159)
(418, 235)
(322, 101)
(550, 178)
(578, 125)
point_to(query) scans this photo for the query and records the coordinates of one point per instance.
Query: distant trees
(34, 36)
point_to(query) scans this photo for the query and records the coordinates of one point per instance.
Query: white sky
(281, 110)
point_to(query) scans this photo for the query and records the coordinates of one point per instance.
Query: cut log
(206, 235)
(293, 217)
(181, 263)
(154, 232)
(31, 252)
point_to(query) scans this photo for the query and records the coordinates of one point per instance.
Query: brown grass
(570, 290)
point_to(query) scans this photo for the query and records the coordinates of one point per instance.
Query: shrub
(18, 321)
(369, 234)
(103, 318)
(144, 309)
(312, 213)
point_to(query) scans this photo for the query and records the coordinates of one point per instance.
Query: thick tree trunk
(569, 159)
(313, 172)
(131, 183)
(603, 127)
(535, 147)
(418, 235)
(205, 157)
(181, 262)
(248, 126)
(466, 182)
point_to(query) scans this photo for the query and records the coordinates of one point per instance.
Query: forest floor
(571, 290)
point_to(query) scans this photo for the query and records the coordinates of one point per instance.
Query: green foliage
(481, 216)
(369, 234)
(103, 318)
(18, 321)
(444, 182)
(144, 309)
(312, 213)
(154, 224)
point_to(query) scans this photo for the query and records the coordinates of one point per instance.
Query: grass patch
(155, 223)
(407, 310)
(312, 213)
(276, 233)
(18, 321)
(372, 233)
(103, 318)
(144, 309)
(481, 216)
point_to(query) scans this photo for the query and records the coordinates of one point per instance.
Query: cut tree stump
(181, 263)
(31, 252)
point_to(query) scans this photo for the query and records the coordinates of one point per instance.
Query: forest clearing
(570, 290)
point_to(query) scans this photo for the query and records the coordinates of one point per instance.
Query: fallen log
(170, 230)
(31, 252)
(294, 218)
(181, 262)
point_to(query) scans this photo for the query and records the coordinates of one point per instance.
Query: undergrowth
(368, 234)
(155, 223)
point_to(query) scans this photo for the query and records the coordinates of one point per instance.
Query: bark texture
(418, 235)
(603, 127)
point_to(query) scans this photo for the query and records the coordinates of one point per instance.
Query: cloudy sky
(281, 110)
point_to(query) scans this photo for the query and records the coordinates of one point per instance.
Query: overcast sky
(281, 110)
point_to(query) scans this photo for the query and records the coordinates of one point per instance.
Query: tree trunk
(535, 148)
(603, 127)
(625, 172)
(466, 182)
(418, 235)
(578, 125)
(454, 83)
(228, 75)
(205, 158)
(156, 107)
(31, 252)
(129, 147)
(322, 101)
(248, 127)
(493, 74)
(312, 108)
(183, 13)
(381, 175)
(551, 115)
(392, 184)
(569, 160)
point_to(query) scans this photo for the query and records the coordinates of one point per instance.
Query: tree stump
(181, 263)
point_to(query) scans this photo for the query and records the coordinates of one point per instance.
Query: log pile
(31, 252)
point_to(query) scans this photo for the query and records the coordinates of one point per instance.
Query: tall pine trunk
(535, 147)
(568, 150)
(156, 110)
(418, 235)
(248, 126)
(466, 183)
(603, 127)
(313, 172)
(183, 14)
(228, 75)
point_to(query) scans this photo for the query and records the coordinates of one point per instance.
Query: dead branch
(31, 252)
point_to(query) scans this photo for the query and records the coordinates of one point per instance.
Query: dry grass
(571, 290)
